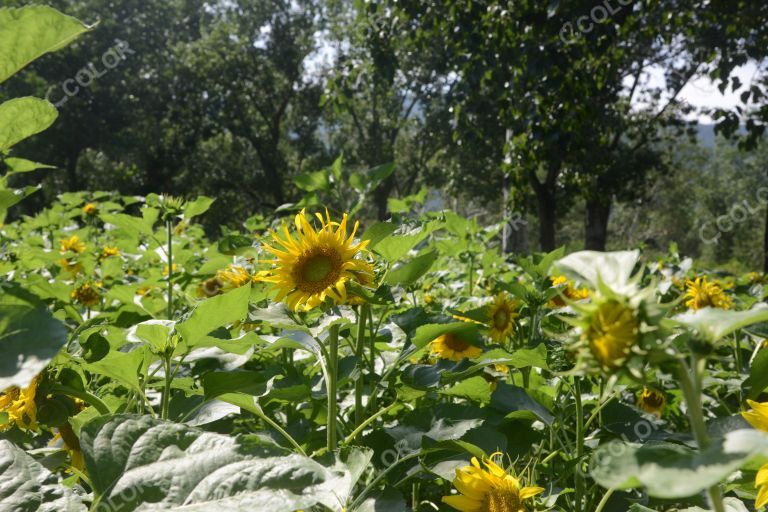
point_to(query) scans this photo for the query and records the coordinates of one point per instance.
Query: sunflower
(86, 295)
(701, 294)
(174, 267)
(110, 251)
(758, 418)
(72, 243)
(19, 405)
(315, 265)
(612, 332)
(69, 266)
(90, 209)
(651, 401)
(451, 346)
(570, 292)
(234, 276)
(209, 288)
(488, 488)
(501, 316)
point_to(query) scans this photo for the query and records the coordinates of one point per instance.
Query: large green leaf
(668, 470)
(611, 268)
(142, 463)
(213, 313)
(23, 117)
(29, 32)
(410, 272)
(27, 486)
(714, 323)
(29, 337)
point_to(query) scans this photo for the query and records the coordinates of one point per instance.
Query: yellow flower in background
(110, 251)
(90, 209)
(651, 401)
(73, 244)
(501, 316)
(701, 294)
(175, 268)
(452, 347)
(19, 405)
(612, 333)
(428, 299)
(70, 267)
(209, 288)
(86, 295)
(758, 416)
(234, 276)
(488, 488)
(570, 292)
(314, 265)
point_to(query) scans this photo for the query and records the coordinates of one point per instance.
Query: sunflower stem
(578, 476)
(85, 396)
(362, 316)
(169, 227)
(166, 399)
(690, 382)
(333, 367)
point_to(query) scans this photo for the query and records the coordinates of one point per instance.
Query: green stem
(604, 501)
(169, 252)
(85, 396)
(360, 497)
(333, 367)
(280, 429)
(367, 422)
(471, 273)
(362, 316)
(166, 400)
(690, 383)
(579, 487)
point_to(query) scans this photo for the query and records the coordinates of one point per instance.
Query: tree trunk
(381, 196)
(765, 244)
(596, 227)
(546, 202)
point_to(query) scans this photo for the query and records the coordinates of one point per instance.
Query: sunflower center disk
(456, 344)
(502, 500)
(318, 270)
(500, 319)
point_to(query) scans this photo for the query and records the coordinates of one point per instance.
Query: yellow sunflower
(701, 294)
(90, 209)
(570, 292)
(86, 295)
(488, 488)
(234, 276)
(71, 267)
(451, 346)
(110, 251)
(758, 418)
(612, 332)
(651, 401)
(174, 267)
(72, 243)
(501, 316)
(19, 405)
(316, 265)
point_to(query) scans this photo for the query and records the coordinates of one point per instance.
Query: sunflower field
(311, 362)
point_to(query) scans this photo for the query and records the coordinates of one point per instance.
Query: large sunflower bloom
(452, 347)
(701, 294)
(488, 488)
(315, 265)
(758, 418)
(19, 405)
(501, 316)
(612, 333)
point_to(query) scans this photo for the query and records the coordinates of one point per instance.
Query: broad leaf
(614, 269)
(408, 273)
(23, 117)
(213, 313)
(714, 323)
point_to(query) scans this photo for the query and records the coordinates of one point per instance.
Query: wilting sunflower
(72, 243)
(501, 316)
(701, 294)
(209, 288)
(234, 276)
(86, 295)
(19, 405)
(316, 265)
(451, 346)
(90, 209)
(758, 418)
(488, 488)
(110, 251)
(651, 401)
(612, 331)
(570, 292)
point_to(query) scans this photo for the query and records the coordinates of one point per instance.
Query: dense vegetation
(209, 309)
